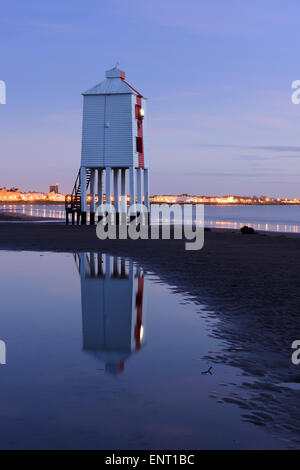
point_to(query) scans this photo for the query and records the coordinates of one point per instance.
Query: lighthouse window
(139, 144)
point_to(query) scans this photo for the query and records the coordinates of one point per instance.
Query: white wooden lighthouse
(114, 154)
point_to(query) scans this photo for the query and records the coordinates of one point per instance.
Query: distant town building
(219, 200)
(15, 195)
(12, 194)
(54, 189)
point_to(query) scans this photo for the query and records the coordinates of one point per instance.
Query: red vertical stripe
(140, 133)
(139, 122)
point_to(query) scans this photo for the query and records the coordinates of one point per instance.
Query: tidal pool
(102, 355)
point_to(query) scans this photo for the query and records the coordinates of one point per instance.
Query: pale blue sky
(217, 74)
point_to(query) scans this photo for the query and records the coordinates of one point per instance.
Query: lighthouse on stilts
(114, 156)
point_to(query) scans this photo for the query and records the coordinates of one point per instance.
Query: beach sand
(249, 283)
(16, 216)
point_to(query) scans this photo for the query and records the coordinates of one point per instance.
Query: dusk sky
(217, 73)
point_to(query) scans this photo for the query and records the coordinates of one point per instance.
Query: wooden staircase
(73, 201)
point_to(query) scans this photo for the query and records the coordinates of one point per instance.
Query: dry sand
(250, 282)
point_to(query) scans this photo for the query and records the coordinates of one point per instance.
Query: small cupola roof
(113, 84)
(115, 73)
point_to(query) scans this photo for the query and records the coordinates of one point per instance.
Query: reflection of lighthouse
(113, 307)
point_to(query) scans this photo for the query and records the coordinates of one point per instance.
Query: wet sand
(251, 283)
(16, 216)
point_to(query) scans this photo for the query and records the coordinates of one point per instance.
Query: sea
(274, 218)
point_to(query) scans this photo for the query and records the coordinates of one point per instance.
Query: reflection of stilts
(113, 307)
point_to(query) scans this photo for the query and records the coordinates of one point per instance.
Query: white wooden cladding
(109, 131)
